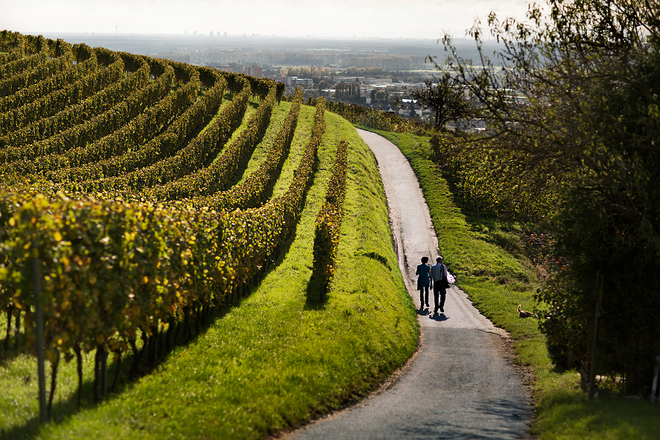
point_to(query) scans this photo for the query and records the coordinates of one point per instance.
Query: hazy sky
(317, 18)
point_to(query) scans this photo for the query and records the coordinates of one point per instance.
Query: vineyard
(134, 207)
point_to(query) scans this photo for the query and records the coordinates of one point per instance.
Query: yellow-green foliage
(489, 178)
(64, 55)
(133, 134)
(100, 87)
(328, 221)
(371, 118)
(257, 186)
(224, 170)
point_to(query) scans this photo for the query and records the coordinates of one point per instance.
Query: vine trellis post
(39, 321)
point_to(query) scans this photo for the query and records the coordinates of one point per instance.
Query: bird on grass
(524, 313)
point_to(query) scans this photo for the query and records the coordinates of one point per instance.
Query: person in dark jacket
(440, 284)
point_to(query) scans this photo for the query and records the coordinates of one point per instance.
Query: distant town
(375, 73)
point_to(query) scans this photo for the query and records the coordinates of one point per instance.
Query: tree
(444, 96)
(340, 90)
(324, 84)
(381, 95)
(576, 103)
(355, 88)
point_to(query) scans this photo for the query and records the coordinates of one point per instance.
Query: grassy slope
(480, 251)
(274, 361)
(298, 145)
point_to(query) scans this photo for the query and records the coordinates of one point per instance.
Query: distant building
(301, 82)
(471, 125)
(255, 71)
(282, 79)
(225, 69)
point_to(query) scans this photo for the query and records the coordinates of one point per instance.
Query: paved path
(461, 384)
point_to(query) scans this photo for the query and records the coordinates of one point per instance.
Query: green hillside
(169, 213)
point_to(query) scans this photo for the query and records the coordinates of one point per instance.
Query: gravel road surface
(461, 384)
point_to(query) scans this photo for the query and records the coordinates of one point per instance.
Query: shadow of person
(423, 311)
(438, 317)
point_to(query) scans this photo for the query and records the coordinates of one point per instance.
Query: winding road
(461, 384)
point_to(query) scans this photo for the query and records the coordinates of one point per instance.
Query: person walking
(423, 281)
(440, 284)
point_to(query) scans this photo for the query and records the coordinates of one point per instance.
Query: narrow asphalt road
(461, 384)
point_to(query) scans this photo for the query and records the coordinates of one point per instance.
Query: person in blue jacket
(423, 281)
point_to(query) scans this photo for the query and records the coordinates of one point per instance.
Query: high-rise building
(254, 71)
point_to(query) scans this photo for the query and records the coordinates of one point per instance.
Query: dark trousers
(439, 293)
(423, 290)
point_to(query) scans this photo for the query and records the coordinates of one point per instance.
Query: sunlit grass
(298, 145)
(261, 151)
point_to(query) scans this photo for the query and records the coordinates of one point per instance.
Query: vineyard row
(328, 223)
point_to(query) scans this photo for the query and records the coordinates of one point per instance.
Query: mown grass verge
(486, 256)
(273, 362)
